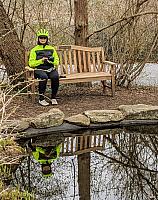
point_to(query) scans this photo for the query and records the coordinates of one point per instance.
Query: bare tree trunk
(11, 50)
(81, 27)
(81, 22)
(84, 176)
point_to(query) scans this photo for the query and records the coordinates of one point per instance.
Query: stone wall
(55, 118)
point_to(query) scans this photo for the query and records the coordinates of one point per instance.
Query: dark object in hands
(62, 76)
(51, 58)
(46, 62)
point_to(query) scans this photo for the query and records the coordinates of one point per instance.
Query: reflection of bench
(80, 64)
(82, 144)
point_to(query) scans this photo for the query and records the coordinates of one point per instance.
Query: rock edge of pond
(54, 121)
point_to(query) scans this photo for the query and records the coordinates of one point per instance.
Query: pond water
(111, 164)
(148, 76)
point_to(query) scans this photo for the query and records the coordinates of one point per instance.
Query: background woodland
(127, 29)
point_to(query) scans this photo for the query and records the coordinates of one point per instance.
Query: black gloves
(51, 58)
(46, 62)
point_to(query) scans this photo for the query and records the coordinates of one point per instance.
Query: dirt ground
(74, 100)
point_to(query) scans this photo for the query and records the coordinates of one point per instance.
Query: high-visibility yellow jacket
(40, 51)
(40, 156)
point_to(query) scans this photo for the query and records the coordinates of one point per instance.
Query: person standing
(44, 59)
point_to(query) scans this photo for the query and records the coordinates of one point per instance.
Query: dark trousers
(44, 76)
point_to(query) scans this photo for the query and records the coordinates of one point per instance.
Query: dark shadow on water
(109, 164)
(143, 129)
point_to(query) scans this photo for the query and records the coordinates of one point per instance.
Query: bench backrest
(77, 59)
(77, 145)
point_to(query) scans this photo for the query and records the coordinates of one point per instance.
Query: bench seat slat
(87, 74)
(86, 77)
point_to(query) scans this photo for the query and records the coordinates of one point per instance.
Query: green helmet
(42, 32)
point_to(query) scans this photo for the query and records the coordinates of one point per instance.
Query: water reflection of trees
(55, 188)
(128, 167)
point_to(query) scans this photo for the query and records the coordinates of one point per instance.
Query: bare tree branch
(121, 20)
(125, 164)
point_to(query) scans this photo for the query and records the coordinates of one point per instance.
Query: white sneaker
(54, 102)
(43, 103)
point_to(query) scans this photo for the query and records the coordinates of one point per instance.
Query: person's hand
(51, 58)
(44, 59)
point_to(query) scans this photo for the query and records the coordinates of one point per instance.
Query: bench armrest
(29, 73)
(29, 68)
(112, 68)
(109, 62)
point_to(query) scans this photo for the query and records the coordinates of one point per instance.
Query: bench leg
(29, 91)
(33, 92)
(27, 84)
(113, 86)
(104, 86)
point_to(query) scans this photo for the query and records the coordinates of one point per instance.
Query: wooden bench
(77, 145)
(79, 64)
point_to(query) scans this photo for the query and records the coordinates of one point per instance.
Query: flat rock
(103, 116)
(15, 126)
(80, 120)
(139, 111)
(53, 117)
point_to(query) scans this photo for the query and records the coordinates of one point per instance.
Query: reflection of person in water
(45, 156)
